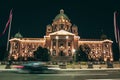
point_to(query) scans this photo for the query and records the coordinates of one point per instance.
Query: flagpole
(115, 26)
(116, 32)
(9, 33)
(119, 43)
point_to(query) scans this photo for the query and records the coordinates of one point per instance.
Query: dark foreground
(64, 75)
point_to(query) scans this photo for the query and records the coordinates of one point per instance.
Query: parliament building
(62, 40)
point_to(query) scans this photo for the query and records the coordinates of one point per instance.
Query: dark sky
(30, 17)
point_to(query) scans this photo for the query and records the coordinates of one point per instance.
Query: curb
(67, 69)
(5, 70)
(91, 69)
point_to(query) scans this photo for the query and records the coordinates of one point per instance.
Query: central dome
(61, 15)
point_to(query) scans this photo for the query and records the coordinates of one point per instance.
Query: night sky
(30, 17)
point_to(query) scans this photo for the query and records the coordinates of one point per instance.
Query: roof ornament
(61, 11)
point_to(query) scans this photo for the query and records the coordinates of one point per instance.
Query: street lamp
(73, 50)
(57, 37)
(67, 37)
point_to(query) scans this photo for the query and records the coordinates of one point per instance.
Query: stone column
(57, 45)
(51, 46)
(111, 55)
(67, 44)
(72, 47)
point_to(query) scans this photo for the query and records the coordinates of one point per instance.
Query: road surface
(112, 74)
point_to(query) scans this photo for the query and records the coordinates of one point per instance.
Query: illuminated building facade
(62, 40)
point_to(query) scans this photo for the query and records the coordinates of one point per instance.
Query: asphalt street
(109, 74)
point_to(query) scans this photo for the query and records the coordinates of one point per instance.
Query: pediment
(61, 32)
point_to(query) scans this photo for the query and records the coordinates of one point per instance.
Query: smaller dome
(103, 37)
(18, 35)
(61, 15)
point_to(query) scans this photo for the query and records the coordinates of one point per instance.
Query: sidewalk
(2, 68)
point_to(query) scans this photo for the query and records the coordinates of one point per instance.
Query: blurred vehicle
(35, 67)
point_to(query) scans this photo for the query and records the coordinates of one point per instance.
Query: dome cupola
(61, 15)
